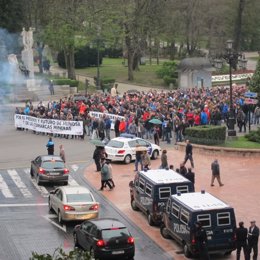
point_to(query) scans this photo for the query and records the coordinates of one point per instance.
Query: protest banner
(51, 126)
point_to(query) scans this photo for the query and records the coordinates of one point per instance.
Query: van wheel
(186, 251)
(150, 219)
(128, 159)
(164, 232)
(133, 205)
(155, 154)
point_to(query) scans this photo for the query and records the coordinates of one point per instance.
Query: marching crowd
(177, 110)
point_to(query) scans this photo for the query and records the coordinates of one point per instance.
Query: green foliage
(113, 52)
(254, 136)
(70, 82)
(255, 81)
(208, 135)
(60, 254)
(168, 72)
(84, 57)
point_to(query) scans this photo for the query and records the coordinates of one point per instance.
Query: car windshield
(115, 144)
(53, 165)
(115, 232)
(82, 197)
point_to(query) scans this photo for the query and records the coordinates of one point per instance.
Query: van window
(184, 216)
(148, 189)
(175, 210)
(141, 184)
(205, 220)
(164, 192)
(182, 189)
(223, 219)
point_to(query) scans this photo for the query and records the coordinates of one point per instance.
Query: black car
(49, 168)
(105, 238)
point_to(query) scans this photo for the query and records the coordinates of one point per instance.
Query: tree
(255, 81)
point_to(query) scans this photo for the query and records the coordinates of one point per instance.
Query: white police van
(181, 213)
(151, 189)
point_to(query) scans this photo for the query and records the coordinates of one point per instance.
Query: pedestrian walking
(241, 235)
(51, 88)
(190, 175)
(215, 173)
(138, 157)
(50, 147)
(253, 235)
(97, 157)
(164, 160)
(110, 173)
(202, 241)
(62, 153)
(188, 154)
(146, 160)
(183, 170)
(105, 175)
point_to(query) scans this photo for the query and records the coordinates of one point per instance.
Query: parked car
(105, 238)
(123, 148)
(49, 168)
(73, 203)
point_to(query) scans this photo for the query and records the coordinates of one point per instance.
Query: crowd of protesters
(176, 109)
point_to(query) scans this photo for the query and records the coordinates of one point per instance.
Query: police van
(150, 190)
(181, 213)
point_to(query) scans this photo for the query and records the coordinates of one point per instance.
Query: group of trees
(136, 25)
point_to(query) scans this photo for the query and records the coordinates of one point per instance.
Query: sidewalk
(241, 189)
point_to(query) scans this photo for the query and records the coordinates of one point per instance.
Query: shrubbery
(208, 135)
(254, 136)
(168, 72)
(84, 57)
(113, 53)
(70, 82)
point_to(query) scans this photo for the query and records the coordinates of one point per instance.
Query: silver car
(73, 203)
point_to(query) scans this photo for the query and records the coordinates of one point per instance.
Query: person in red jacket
(190, 117)
(197, 119)
(122, 126)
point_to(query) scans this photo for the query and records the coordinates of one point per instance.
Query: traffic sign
(250, 94)
(250, 101)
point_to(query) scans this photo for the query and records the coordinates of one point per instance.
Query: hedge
(70, 82)
(254, 136)
(206, 134)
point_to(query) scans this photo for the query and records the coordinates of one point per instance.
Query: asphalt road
(25, 222)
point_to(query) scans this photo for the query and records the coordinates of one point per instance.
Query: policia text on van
(151, 189)
(181, 213)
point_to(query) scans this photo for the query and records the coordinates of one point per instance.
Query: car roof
(198, 201)
(50, 157)
(163, 176)
(124, 139)
(74, 189)
(107, 223)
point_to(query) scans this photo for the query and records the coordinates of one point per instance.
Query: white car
(73, 203)
(123, 148)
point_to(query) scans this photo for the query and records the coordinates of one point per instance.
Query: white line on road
(44, 192)
(23, 205)
(72, 182)
(49, 218)
(4, 188)
(19, 183)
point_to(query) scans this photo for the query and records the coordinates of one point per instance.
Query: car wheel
(186, 251)
(31, 172)
(60, 217)
(133, 205)
(128, 159)
(150, 219)
(50, 206)
(92, 254)
(76, 242)
(155, 154)
(164, 232)
(38, 179)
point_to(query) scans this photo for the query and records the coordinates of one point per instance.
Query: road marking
(19, 183)
(44, 192)
(72, 182)
(23, 205)
(49, 218)
(74, 167)
(4, 188)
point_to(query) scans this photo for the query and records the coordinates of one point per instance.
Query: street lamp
(231, 58)
(98, 56)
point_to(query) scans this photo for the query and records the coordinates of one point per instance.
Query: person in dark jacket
(164, 160)
(138, 157)
(105, 175)
(116, 127)
(190, 175)
(202, 241)
(241, 235)
(253, 235)
(97, 157)
(182, 170)
(188, 154)
(50, 147)
(215, 173)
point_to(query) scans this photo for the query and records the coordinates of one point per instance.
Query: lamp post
(98, 56)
